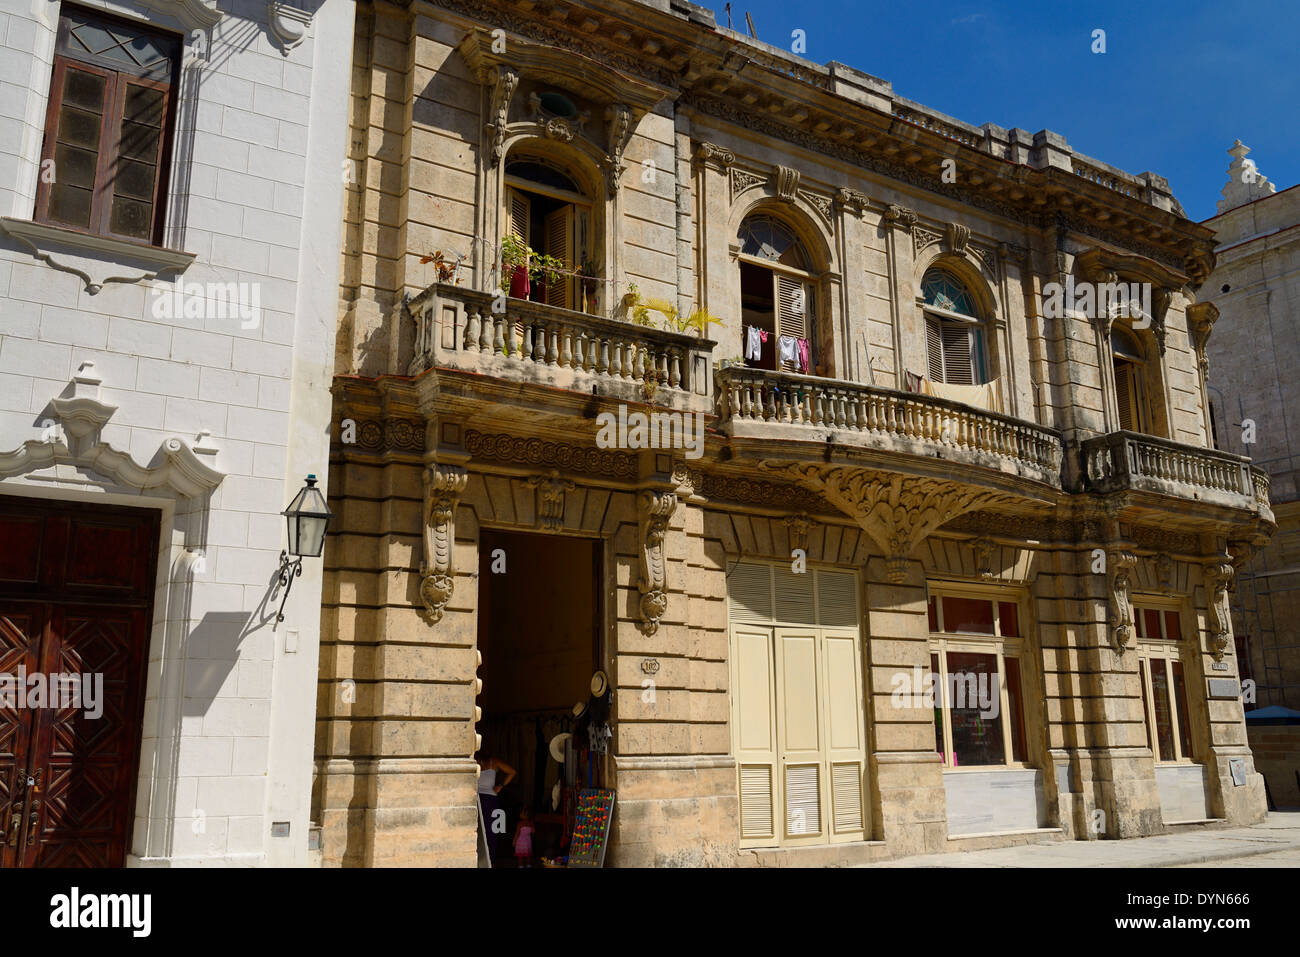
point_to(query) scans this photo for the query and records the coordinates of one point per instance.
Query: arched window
(1130, 380)
(953, 331)
(778, 299)
(551, 213)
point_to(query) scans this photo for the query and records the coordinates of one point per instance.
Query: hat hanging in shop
(557, 745)
(579, 709)
(599, 684)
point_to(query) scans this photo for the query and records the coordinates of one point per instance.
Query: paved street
(1274, 843)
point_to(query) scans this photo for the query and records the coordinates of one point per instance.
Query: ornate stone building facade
(914, 469)
(1253, 367)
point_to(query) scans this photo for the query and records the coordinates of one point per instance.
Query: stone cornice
(821, 108)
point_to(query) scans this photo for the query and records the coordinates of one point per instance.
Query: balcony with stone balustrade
(1129, 461)
(531, 352)
(780, 415)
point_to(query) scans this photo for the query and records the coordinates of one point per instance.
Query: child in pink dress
(524, 839)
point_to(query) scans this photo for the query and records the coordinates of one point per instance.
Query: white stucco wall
(257, 197)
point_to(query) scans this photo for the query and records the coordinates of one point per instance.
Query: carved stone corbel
(550, 499)
(619, 120)
(846, 197)
(898, 514)
(1218, 577)
(958, 236)
(787, 183)
(901, 216)
(1119, 566)
(711, 154)
(502, 92)
(443, 487)
(1201, 317)
(656, 510)
(1161, 296)
(1165, 572)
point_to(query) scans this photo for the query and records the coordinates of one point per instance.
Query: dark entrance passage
(76, 593)
(539, 634)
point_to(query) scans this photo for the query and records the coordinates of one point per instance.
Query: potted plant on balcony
(515, 257)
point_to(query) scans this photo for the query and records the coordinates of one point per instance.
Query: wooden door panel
(89, 761)
(75, 603)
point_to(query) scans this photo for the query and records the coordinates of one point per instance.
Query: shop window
(975, 650)
(777, 296)
(1130, 381)
(108, 127)
(953, 331)
(1164, 686)
(551, 213)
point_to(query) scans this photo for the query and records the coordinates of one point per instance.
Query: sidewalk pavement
(1278, 835)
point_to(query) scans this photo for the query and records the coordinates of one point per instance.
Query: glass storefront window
(979, 701)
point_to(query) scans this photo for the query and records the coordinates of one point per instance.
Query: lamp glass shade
(308, 517)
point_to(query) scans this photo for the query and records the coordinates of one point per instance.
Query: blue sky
(1179, 81)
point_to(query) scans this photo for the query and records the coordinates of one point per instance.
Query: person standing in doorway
(489, 790)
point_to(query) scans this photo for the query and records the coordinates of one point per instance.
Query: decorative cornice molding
(182, 472)
(901, 216)
(195, 14)
(535, 452)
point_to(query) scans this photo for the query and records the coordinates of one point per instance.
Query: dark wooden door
(76, 588)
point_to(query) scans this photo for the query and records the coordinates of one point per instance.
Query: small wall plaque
(650, 666)
(1224, 688)
(1238, 768)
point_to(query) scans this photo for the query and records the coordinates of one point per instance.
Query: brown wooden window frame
(117, 81)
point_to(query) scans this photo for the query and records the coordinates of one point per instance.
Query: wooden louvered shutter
(755, 733)
(559, 243)
(958, 354)
(520, 210)
(934, 349)
(1124, 397)
(799, 719)
(793, 306)
(846, 750)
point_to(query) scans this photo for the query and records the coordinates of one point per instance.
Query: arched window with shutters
(778, 297)
(1130, 381)
(548, 209)
(954, 332)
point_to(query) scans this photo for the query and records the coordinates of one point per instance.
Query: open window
(778, 297)
(1130, 381)
(953, 331)
(550, 212)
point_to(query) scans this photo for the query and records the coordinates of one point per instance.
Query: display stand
(593, 815)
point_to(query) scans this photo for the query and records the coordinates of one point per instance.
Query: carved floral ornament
(443, 487)
(898, 513)
(655, 510)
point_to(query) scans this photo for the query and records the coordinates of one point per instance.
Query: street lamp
(308, 516)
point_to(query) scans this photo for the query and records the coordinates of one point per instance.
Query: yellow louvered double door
(797, 706)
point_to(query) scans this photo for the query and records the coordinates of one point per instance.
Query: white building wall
(257, 197)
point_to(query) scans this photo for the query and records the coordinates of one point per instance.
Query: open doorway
(539, 635)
